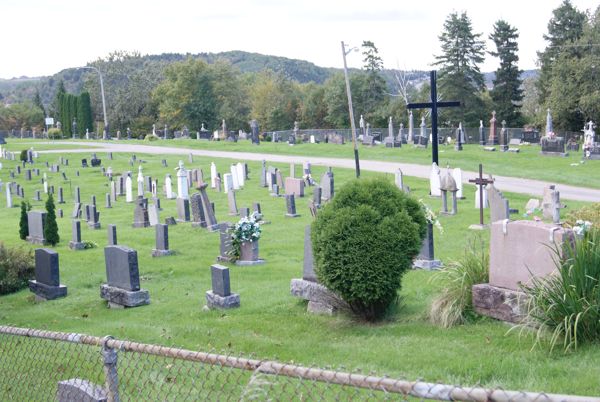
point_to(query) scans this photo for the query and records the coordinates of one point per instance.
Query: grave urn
(249, 251)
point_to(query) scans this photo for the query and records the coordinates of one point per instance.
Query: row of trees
(71, 108)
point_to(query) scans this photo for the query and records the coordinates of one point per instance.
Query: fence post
(110, 370)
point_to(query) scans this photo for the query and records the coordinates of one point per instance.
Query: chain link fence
(40, 365)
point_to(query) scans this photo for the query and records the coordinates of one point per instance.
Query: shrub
(363, 242)
(23, 156)
(568, 304)
(51, 228)
(23, 222)
(454, 304)
(151, 137)
(54, 134)
(16, 268)
(589, 213)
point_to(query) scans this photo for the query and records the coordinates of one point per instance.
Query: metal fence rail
(44, 365)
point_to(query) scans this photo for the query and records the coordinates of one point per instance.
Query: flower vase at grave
(249, 251)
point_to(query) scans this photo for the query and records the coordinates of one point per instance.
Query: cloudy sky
(42, 37)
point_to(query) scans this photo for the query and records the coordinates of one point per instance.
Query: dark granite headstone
(198, 218)
(112, 235)
(183, 210)
(220, 280)
(290, 203)
(140, 213)
(122, 268)
(47, 285)
(209, 211)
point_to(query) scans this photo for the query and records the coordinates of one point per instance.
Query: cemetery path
(503, 183)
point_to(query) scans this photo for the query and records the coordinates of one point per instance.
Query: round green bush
(364, 241)
(54, 133)
(151, 137)
(23, 156)
(16, 268)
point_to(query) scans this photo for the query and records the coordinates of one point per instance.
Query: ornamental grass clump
(454, 304)
(364, 240)
(567, 304)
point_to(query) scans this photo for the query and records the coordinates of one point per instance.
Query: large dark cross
(480, 181)
(433, 105)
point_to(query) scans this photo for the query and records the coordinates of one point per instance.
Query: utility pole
(350, 108)
(105, 134)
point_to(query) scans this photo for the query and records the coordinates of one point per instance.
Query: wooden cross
(480, 181)
(433, 105)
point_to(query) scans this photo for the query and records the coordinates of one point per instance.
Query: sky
(42, 37)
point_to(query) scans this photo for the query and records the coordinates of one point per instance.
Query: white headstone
(169, 188)
(399, 180)
(140, 182)
(486, 204)
(182, 183)
(9, 201)
(213, 175)
(45, 186)
(128, 190)
(457, 176)
(234, 177)
(312, 139)
(227, 182)
(240, 174)
(434, 181)
(154, 188)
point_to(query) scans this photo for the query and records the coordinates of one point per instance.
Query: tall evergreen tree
(84, 113)
(37, 101)
(460, 78)
(56, 106)
(372, 92)
(507, 95)
(564, 28)
(23, 222)
(51, 227)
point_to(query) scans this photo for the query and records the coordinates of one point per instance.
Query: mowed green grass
(271, 324)
(528, 163)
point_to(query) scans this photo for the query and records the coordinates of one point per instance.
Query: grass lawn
(271, 323)
(526, 164)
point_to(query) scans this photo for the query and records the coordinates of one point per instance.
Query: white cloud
(42, 37)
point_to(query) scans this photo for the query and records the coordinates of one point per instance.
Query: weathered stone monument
(162, 241)
(36, 221)
(140, 213)
(76, 243)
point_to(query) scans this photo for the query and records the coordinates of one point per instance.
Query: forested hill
(24, 88)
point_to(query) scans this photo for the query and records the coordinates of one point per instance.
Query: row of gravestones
(122, 287)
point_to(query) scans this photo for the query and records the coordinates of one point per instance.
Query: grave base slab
(499, 303)
(214, 301)
(47, 292)
(75, 245)
(122, 297)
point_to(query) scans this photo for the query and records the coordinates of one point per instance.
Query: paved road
(510, 184)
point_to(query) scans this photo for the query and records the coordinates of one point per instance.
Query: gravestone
(107, 201)
(227, 182)
(182, 183)
(209, 210)
(77, 389)
(162, 241)
(244, 212)
(153, 215)
(213, 175)
(112, 235)
(220, 296)
(94, 221)
(36, 221)
(225, 245)
(77, 195)
(290, 203)
(434, 181)
(140, 213)
(123, 280)
(234, 177)
(399, 179)
(75, 243)
(169, 188)
(553, 146)
(457, 175)
(308, 272)
(426, 258)
(327, 185)
(519, 252)
(218, 185)
(551, 205)
(263, 174)
(294, 186)
(499, 209)
(198, 218)
(61, 199)
(317, 195)
(59, 213)
(46, 285)
(76, 211)
(128, 190)
(231, 202)
(183, 210)
(9, 200)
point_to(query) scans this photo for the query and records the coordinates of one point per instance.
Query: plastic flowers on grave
(581, 227)
(247, 229)
(431, 216)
